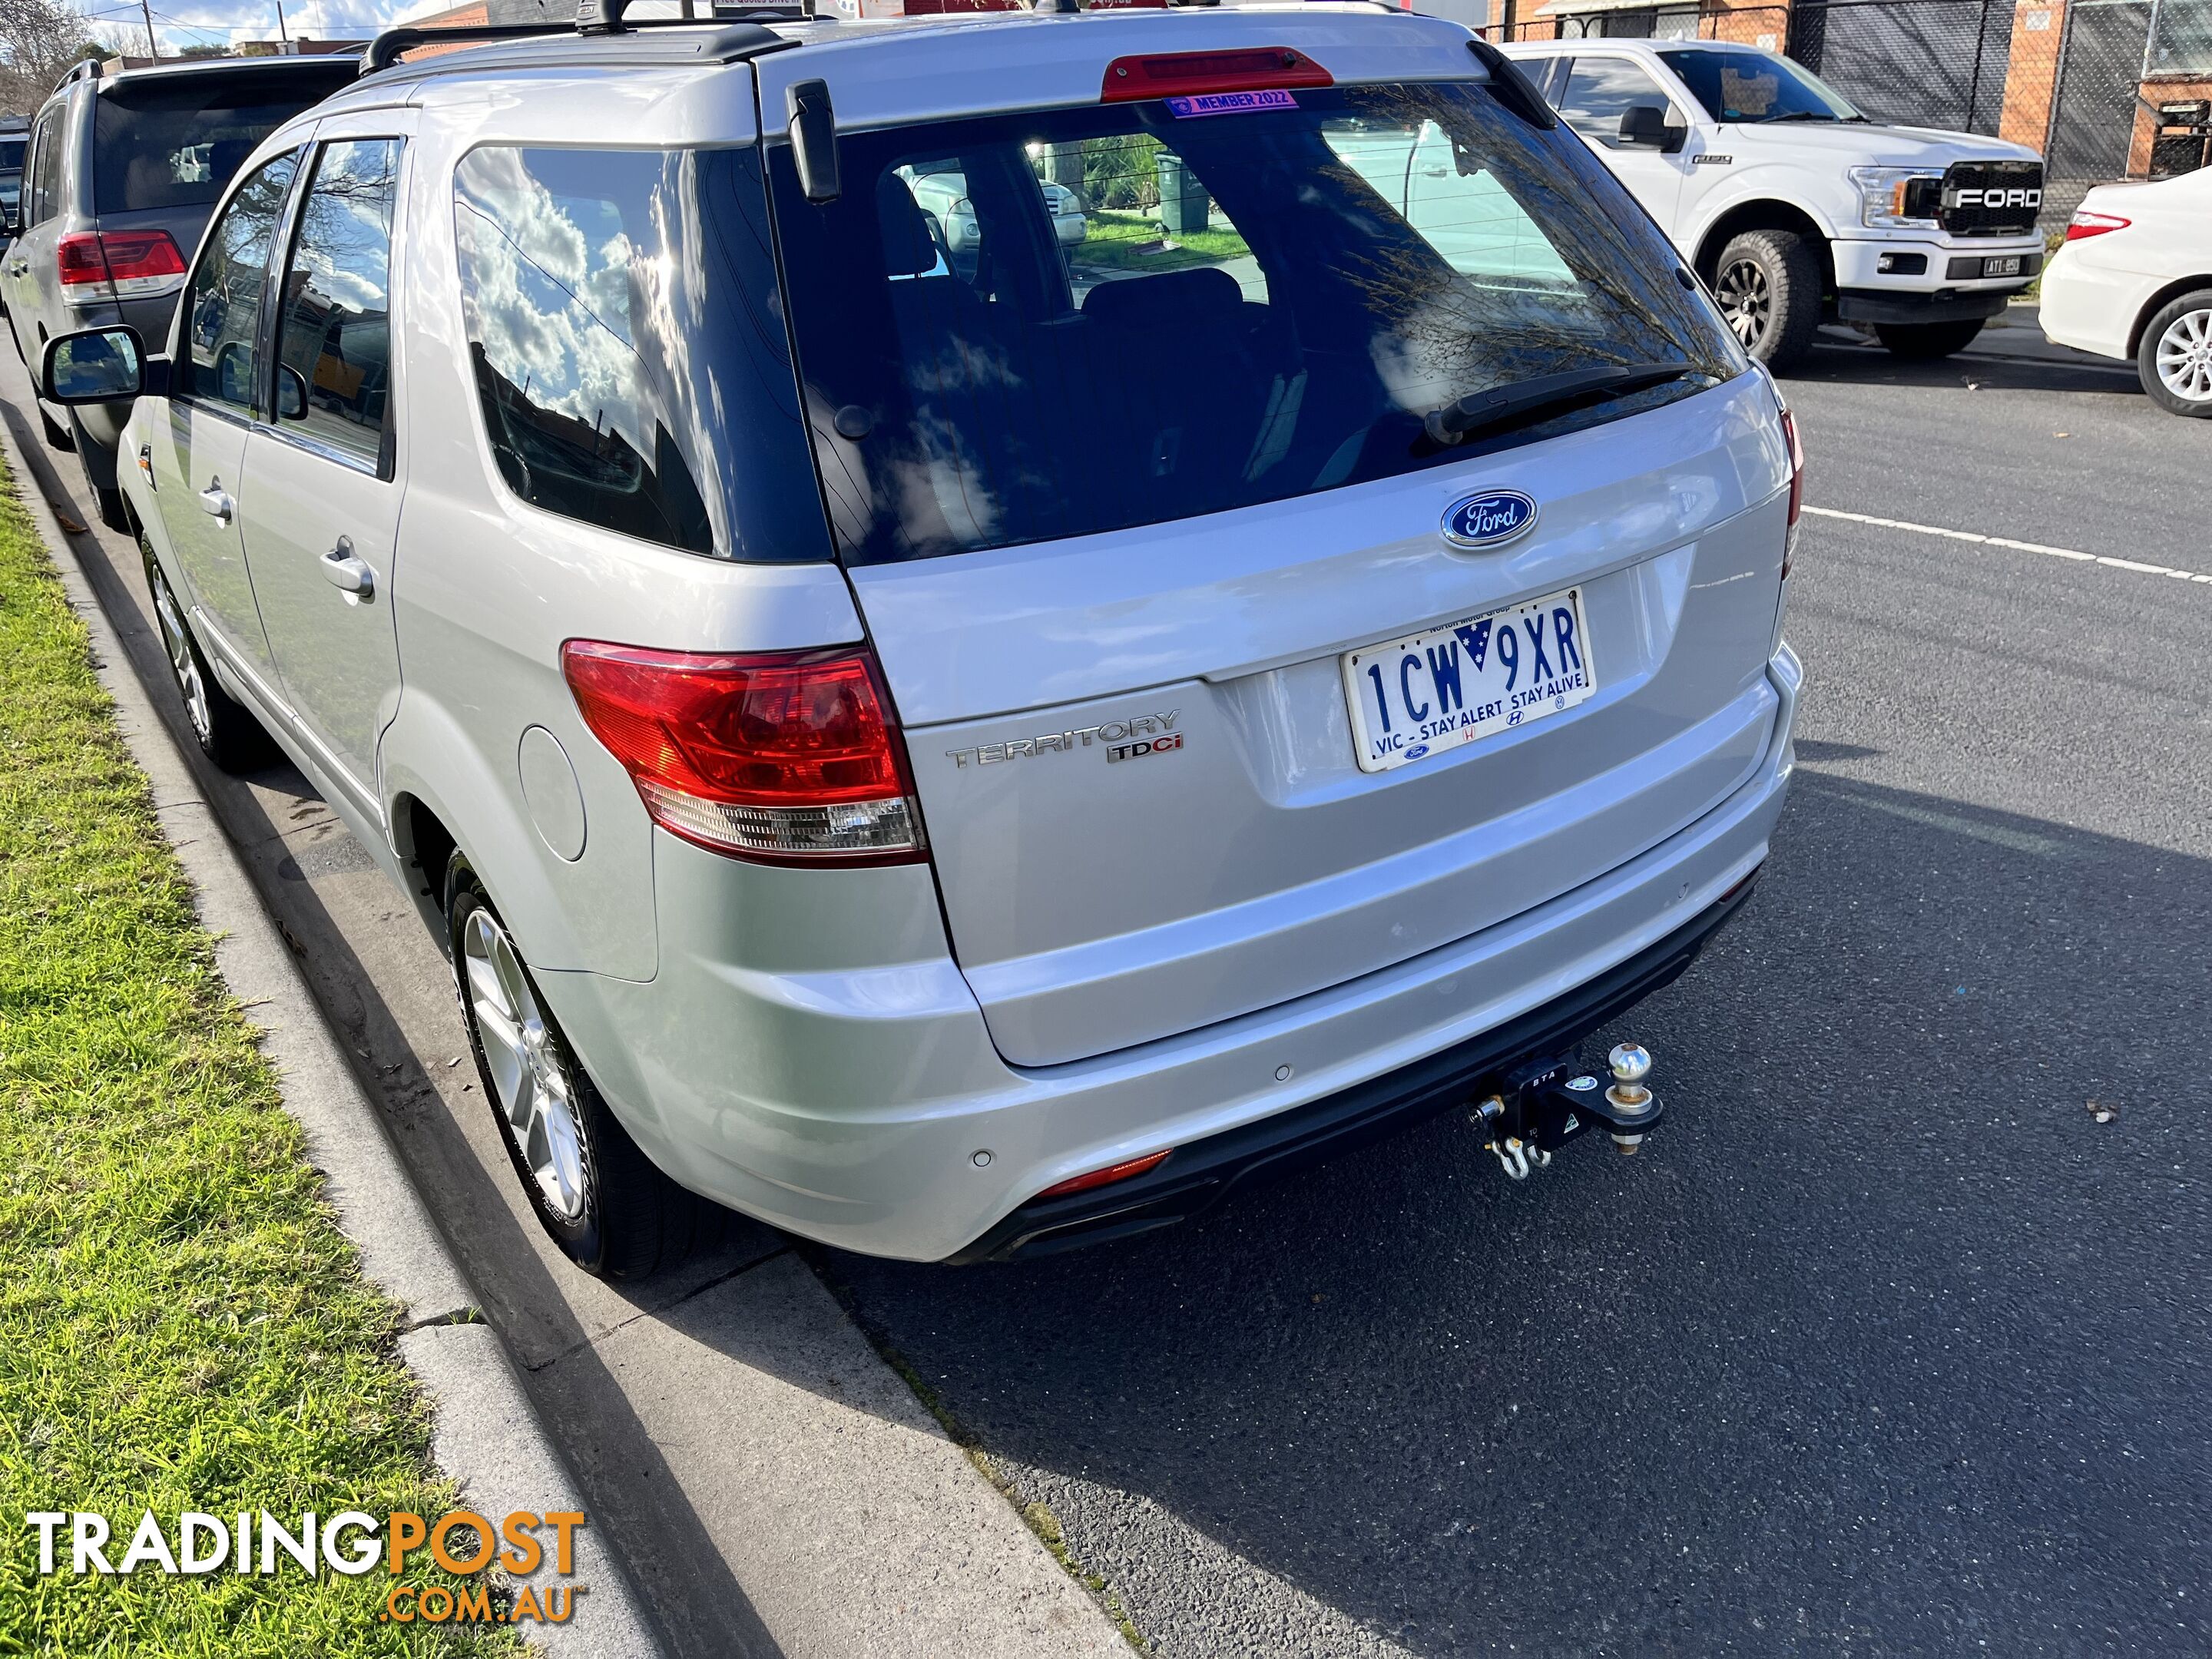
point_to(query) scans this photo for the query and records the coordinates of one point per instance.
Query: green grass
(182, 1326)
(1114, 239)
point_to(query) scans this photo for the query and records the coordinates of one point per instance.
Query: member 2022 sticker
(1229, 103)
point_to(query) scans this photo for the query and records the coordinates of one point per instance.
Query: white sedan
(2135, 281)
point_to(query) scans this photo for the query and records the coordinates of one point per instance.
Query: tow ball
(1538, 1107)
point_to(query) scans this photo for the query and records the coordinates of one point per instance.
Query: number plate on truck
(1432, 691)
(2001, 265)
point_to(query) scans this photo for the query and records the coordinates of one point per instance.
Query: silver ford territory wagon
(953, 730)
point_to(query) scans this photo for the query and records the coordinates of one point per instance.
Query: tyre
(58, 435)
(227, 733)
(598, 1196)
(1923, 342)
(2175, 357)
(1768, 284)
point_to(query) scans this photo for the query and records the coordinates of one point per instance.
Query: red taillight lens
(1796, 490)
(790, 758)
(1106, 1176)
(1192, 74)
(133, 261)
(2085, 224)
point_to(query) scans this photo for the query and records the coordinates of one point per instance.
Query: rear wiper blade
(1478, 409)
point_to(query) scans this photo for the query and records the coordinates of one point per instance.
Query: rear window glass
(160, 143)
(11, 155)
(1039, 326)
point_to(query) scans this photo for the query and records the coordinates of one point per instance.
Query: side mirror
(1644, 127)
(98, 366)
(291, 394)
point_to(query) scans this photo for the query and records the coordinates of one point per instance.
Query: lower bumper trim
(1859, 304)
(1199, 1175)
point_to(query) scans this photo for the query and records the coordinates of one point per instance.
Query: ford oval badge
(1491, 518)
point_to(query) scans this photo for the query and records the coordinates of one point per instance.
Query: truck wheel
(598, 1196)
(225, 731)
(1923, 342)
(2175, 358)
(1768, 284)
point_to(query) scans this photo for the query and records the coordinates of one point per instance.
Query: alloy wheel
(2184, 356)
(529, 1069)
(1747, 300)
(184, 662)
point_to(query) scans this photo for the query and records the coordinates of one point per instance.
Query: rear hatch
(1237, 657)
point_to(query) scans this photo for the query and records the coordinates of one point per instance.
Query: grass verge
(1115, 240)
(182, 1326)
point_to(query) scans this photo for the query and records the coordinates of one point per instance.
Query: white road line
(2136, 565)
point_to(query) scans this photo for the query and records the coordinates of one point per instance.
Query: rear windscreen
(175, 142)
(1039, 326)
(11, 155)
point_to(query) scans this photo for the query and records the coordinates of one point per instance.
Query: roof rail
(85, 69)
(597, 18)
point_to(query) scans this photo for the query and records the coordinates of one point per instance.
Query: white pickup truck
(1792, 205)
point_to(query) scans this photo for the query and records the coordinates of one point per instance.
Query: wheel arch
(2158, 301)
(1763, 213)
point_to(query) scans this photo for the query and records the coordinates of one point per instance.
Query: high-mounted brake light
(2085, 224)
(1106, 1176)
(95, 266)
(1190, 73)
(789, 758)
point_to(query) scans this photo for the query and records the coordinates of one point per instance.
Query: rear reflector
(791, 758)
(2085, 224)
(124, 263)
(1188, 74)
(1106, 1176)
(1797, 490)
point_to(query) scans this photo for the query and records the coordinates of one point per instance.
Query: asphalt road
(1887, 1344)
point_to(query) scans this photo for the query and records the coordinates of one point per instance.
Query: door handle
(344, 571)
(217, 501)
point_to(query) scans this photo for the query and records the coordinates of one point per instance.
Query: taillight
(791, 758)
(1196, 74)
(2085, 224)
(122, 263)
(1796, 490)
(1105, 1177)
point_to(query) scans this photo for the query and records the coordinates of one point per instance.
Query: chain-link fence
(2104, 89)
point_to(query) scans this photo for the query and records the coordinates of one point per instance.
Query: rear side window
(176, 142)
(337, 333)
(1601, 90)
(628, 349)
(46, 167)
(1239, 307)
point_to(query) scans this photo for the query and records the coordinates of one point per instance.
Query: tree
(39, 40)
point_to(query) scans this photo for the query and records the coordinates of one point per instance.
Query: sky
(181, 23)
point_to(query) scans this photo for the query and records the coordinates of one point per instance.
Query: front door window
(222, 359)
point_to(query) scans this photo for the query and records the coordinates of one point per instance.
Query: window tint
(175, 141)
(223, 306)
(628, 348)
(336, 329)
(1757, 86)
(1601, 90)
(46, 169)
(1241, 308)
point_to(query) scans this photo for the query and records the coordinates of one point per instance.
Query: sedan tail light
(788, 758)
(2085, 224)
(95, 266)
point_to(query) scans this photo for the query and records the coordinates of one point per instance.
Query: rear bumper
(866, 1106)
(1196, 1177)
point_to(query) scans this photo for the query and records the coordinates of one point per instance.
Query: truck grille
(1992, 198)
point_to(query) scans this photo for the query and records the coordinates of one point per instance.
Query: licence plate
(1432, 691)
(2004, 265)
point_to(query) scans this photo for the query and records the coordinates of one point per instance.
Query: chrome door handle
(343, 570)
(217, 501)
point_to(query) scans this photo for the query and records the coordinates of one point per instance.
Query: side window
(222, 308)
(334, 349)
(46, 167)
(1601, 90)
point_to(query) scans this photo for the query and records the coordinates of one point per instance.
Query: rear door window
(172, 141)
(1243, 307)
(45, 168)
(1601, 90)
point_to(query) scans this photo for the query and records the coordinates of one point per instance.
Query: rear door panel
(1096, 903)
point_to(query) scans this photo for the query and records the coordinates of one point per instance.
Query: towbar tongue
(1539, 1106)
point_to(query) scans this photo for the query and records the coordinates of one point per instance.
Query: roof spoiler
(1512, 88)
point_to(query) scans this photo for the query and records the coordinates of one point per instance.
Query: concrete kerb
(486, 1436)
